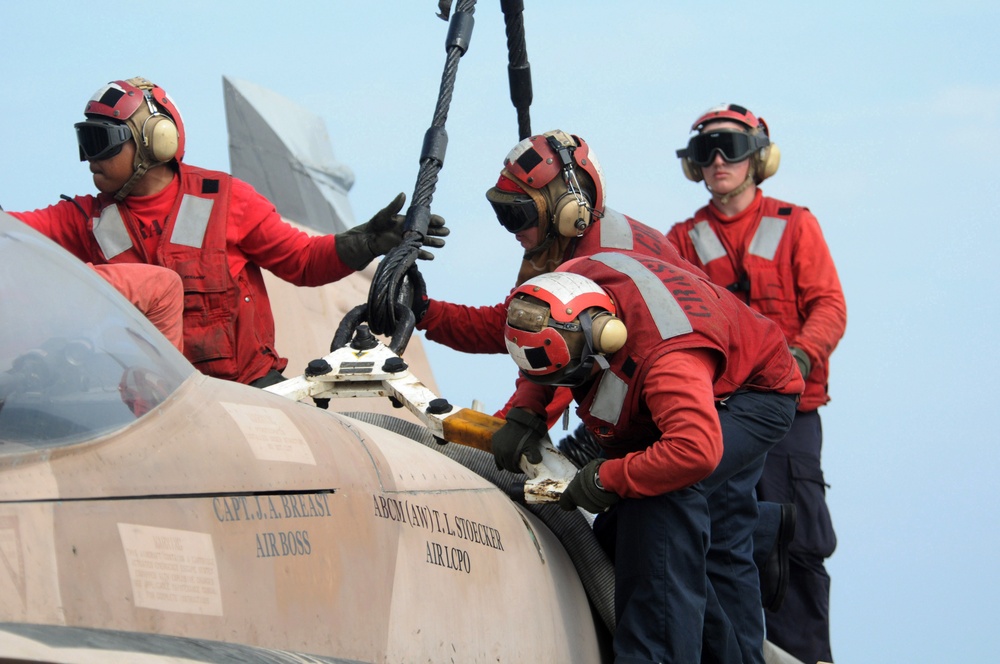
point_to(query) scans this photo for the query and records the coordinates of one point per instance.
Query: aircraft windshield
(77, 360)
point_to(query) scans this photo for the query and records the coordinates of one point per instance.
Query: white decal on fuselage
(271, 434)
(172, 570)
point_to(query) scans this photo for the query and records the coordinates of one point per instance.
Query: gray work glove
(522, 434)
(585, 491)
(805, 366)
(358, 246)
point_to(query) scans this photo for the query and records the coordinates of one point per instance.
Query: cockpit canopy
(77, 360)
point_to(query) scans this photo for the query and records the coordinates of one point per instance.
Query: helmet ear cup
(160, 135)
(571, 217)
(609, 333)
(691, 170)
(766, 162)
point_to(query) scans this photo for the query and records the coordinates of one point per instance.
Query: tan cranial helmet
(561, 168)
(136, 109)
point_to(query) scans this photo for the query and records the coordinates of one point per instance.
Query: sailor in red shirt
(773, 256)
(686, 389)
(550, 196)
(214, 230)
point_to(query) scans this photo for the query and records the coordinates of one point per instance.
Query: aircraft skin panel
(274, 443)
(236, 515)
(29, 572)
(266, 570)
(268, 579)
(20, 643)
(508, 551)
(486, 565)
(402, 466)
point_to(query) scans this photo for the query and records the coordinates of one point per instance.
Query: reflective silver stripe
(706, 242)
(768, 235)
(109, 229)
(615, 231)
(667, 314)
(192, 220)
(610, 398)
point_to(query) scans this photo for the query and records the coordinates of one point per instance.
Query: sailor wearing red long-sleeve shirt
(686, 389)
(212, 229)
(773, 256)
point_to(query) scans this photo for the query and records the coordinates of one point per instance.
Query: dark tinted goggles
(101, 139)
(515, 212)
(732, 145)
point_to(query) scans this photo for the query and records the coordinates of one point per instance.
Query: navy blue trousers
(752, 424)
(793, 474)
(686, 586)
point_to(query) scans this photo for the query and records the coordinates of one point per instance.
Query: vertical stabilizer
(284, 151)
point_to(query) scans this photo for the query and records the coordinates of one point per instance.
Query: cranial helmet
(734, 146)
(546, 168)
(136, 109)
(558, 324)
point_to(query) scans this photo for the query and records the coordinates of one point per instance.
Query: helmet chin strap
(725, 198)
(588, 357)
(543, 246)
(140, 171)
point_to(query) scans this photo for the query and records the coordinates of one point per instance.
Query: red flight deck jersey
(773, 255)
(480, 329)
(690, 345)
(217, 232)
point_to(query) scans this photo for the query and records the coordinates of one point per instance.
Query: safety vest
(618, 232)
(228, 324)
(667, 309)
(764, 278)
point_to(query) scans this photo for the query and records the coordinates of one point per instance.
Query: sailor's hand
(801, 359)
(585, 491)
(435, 231)
(358, 246)
(522, 434)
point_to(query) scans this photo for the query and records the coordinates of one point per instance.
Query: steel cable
(387, 285)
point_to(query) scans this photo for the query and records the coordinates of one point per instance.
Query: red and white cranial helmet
(753, 142)
(552, 329)
(535, 162)
(733, 112)
(134, 110)
(152, 120)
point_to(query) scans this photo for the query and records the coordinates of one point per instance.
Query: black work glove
(522, 434)
(359, 246)
(805, 366)
(419, 288)
(583, 491)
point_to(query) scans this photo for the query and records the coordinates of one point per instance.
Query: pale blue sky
(888, 119)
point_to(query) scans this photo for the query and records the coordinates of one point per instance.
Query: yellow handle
(472, 428)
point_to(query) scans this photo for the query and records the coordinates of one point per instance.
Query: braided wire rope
(387, 287)
(518, 69)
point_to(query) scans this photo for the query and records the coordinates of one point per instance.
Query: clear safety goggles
(515, 212)
(101, 139)
(734, 146)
